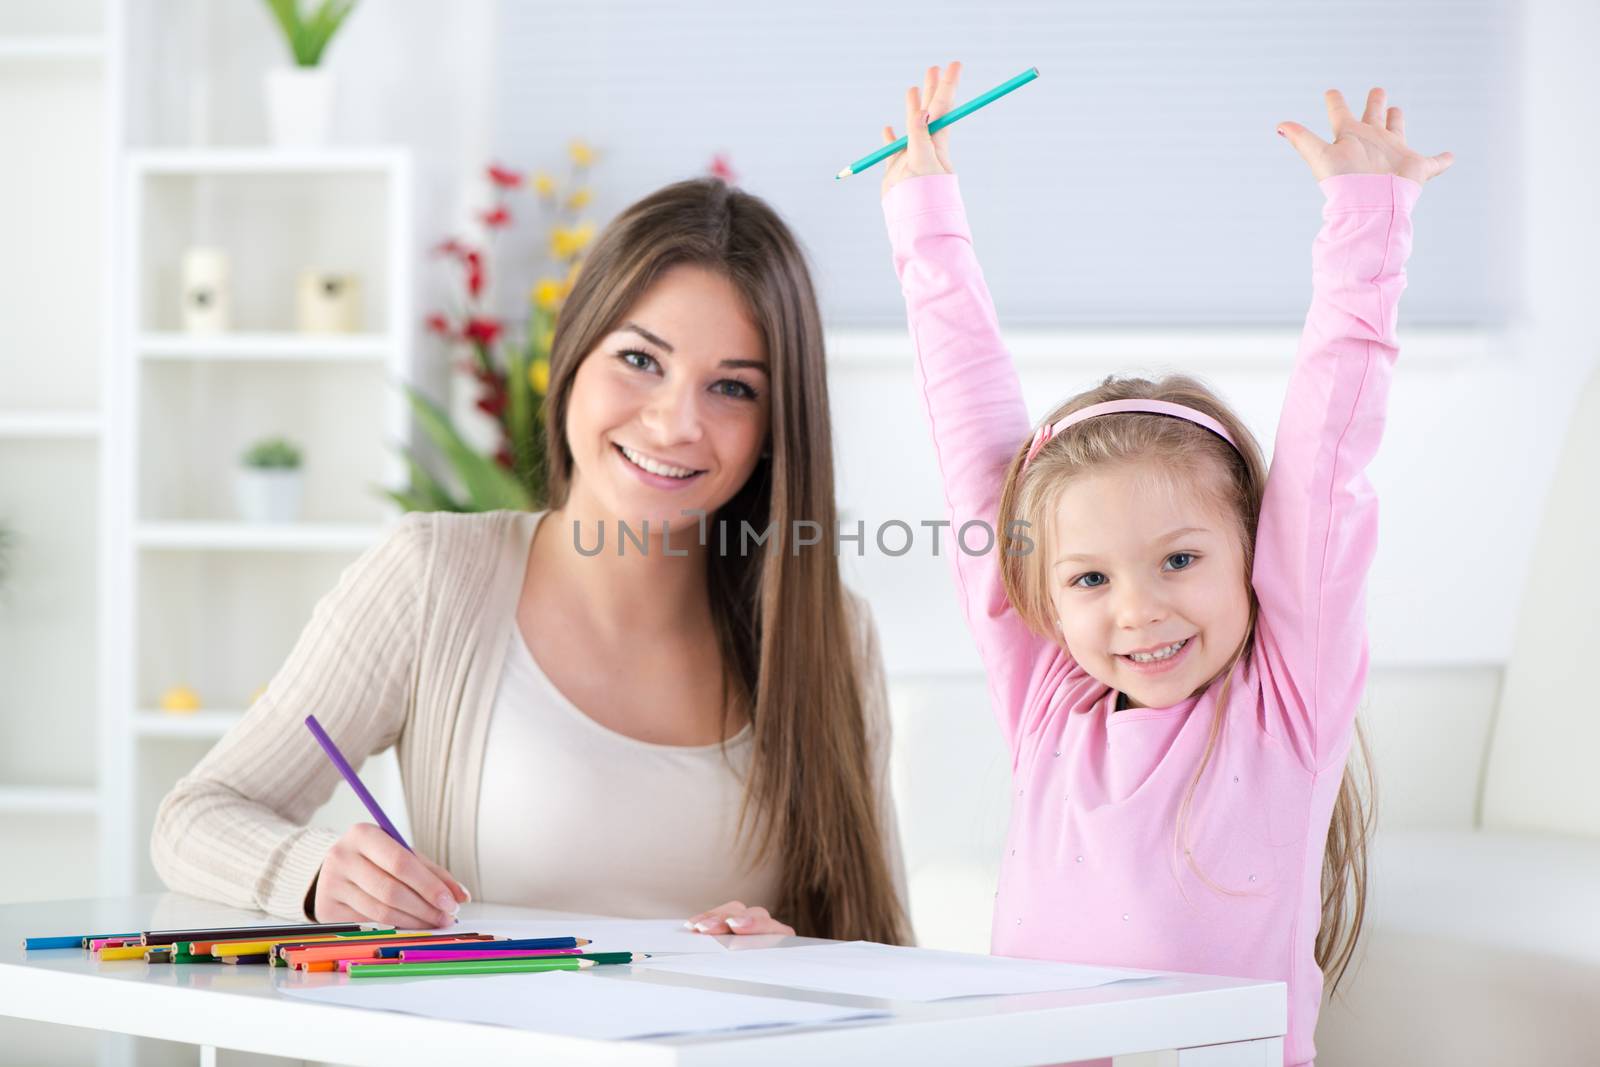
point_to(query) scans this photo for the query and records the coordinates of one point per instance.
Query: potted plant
(300, 98)
(492, 436)
(268, 486)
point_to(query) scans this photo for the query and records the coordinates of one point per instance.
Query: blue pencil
(389, 952)
(872, 159)
(78, 941)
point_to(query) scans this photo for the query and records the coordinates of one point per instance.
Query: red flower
(496, 218)
(504, 177)
(474, 262)
(492, 404)
(438, 324)
(721, 168)
(481, 331)
(504, 458)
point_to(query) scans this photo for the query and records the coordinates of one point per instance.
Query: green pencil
(402, 970)
(954, 115)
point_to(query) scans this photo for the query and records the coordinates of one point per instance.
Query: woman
(639, 730)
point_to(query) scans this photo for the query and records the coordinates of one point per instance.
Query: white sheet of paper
(607, 935)
(579, 1005)
(863, 968)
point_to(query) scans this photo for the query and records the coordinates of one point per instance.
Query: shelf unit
(60, 76)
(211, 601)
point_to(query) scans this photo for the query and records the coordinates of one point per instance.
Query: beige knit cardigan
(406, 651)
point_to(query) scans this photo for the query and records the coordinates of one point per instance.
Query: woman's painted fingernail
(688, 924)
(702, 928)
(1280, 131)
(447, 903)
(739, 923)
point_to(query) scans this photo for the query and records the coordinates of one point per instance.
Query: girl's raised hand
(1373, 144)
(924, 154)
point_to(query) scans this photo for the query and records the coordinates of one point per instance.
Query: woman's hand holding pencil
(925, 154)
(368, 876)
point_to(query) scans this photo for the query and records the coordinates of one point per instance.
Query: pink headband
(1113, 407)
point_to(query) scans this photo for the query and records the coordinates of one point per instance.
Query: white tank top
(577, 817)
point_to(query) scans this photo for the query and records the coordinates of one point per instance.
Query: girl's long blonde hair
(783, 620)
(1238, 479)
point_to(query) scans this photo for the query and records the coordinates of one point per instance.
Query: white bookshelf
(265, 348)
(256, 537)
(48, 425)
(61, 100)
(212, 602)
(203, 725)
(48, 800)
(52, 47)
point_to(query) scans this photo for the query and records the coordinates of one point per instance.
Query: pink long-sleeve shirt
(1090, 871)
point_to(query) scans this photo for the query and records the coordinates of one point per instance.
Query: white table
(1175, 1019)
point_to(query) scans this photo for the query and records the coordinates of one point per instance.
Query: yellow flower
(566, 243)
(543, 184)
(548, 293)
(580, 199)
(581, 153)
(539, 376)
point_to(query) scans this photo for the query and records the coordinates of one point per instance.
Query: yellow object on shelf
(181, 700)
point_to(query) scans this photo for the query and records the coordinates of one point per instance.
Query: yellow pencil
(122, 952)
(252, 948)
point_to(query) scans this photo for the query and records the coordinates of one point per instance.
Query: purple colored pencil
(434, 955)
(349, 774)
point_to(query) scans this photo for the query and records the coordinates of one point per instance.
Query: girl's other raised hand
(1375, 143)
(924, 154)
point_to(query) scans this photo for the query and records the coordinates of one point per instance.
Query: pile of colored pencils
(360, 950)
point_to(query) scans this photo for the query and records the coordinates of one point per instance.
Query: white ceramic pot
(299, 106)
(267, 494)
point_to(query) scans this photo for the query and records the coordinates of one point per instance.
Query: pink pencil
(439, 954)
(112, 942)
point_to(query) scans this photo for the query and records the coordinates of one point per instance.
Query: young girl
(1174, 639)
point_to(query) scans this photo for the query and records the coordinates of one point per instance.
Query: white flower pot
(267, 494)
(299, 106)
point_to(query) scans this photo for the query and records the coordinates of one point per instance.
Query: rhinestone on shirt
(1124, 917)
(1080, 859)
(1252, 877)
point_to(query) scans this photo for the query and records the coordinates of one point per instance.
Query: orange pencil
(299, 957)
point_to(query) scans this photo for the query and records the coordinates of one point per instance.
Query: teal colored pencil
(414, 970)
(954, 115)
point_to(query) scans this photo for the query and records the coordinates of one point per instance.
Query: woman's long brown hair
(783, 624)
(1198, 456)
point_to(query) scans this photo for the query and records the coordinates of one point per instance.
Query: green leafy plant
(308, 33)
(489, 486)
(272, 453)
